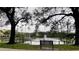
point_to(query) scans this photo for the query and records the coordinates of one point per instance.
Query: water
(36, 41)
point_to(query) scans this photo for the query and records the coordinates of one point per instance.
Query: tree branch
(45, 19)
(18, 21)
(5, 9)
(57, 22)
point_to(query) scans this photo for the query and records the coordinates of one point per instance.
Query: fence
(20, 36)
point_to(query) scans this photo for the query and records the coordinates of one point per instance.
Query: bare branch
(57, 22)
(45, 19)
(19, 20)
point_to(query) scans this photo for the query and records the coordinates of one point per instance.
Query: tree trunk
(10, 16)
(76, 17)
(77, 31)
(12, 35)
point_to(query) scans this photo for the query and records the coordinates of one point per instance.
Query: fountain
(45, 36)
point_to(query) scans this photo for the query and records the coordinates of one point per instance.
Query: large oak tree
(10, 13)
(75, 15)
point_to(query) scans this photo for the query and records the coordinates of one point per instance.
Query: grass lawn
(36, 47)
(67, 47)
(19, 46)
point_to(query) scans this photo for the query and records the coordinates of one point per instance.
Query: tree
(10, 13)
(45, 17)
(75, 15)
(42, 16)
(40, 13)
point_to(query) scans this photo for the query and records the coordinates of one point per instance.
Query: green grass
(36, 47)
(66, 47)
(20, 46)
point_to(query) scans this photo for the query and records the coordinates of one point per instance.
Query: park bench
(46, 45)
